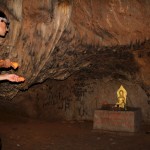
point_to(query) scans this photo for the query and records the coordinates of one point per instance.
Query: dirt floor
(25, 134)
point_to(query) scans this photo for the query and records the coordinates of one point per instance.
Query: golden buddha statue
(121, 97)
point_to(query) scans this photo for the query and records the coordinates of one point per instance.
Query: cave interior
(74, 55)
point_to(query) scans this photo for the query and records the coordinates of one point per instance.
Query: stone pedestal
(124, 121)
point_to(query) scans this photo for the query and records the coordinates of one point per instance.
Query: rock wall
(77, 98)
(55, 38)
(107, 41)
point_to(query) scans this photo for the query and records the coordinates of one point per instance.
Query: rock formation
(54, 39)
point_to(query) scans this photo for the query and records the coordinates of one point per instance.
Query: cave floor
(25, 134)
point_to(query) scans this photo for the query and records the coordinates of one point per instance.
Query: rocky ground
(25, 134)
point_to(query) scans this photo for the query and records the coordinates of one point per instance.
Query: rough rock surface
(97, 40)
(53, 39)
(75, 98)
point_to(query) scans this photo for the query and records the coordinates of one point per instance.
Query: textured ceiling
(55, 39)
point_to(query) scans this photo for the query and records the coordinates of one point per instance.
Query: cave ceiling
(57, 38)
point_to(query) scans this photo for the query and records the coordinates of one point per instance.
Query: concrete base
(124, 121)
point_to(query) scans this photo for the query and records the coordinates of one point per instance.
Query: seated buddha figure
(121, 97)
